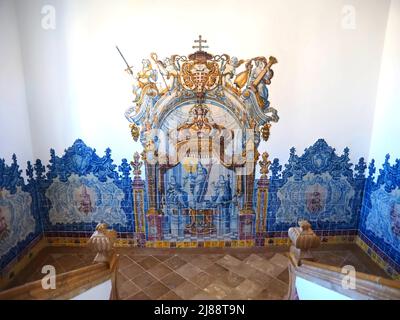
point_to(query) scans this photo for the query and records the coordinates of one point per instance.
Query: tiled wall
(79, 189)
(379, 226)
(82, 189)
(214, 199)
(20, 224)
(318, 186)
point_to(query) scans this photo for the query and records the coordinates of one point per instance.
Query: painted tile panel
(319, 186)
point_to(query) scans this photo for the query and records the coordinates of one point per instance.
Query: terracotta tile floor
(234, 274)
(182, 275)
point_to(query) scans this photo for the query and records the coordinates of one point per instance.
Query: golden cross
(200, 46)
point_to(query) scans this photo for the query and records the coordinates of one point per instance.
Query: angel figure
(230, 70)
(168, 71)
(261, 77)
(257, 77)
(146, 83)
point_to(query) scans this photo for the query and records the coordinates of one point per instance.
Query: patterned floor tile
(156, 290)
(139, 296)
(249, 288)
(127, 288)
(229, 262)
(216, 270)
(202, 279)
(170, 295)
(121, 279)
(175, 262)
(214, 257)
(173, 280)
(144, 280)
(209, 273)
(162, 257)
(240, 256)
(284, 276)
(148, 262)
(124, 262)
(187, 290)
(202, 262)
(188, 270)
(280, 260)
(137, 257)
(132, 271)
(267, 294)
(218, 290)
(259, 277)
(230, 279)
(264, 265)
(275, 290)
(159, 271)
(202, 295)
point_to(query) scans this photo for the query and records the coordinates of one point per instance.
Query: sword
(129, 69)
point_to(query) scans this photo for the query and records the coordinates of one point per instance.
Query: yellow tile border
(376, 258)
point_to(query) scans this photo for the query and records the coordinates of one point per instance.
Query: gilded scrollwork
(265, 131)
(135, 132)
(201, 76)
(199, 81)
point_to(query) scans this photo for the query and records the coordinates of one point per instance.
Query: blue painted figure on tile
(176, 196)
(222, 191)
(198, 182)
(221, 200)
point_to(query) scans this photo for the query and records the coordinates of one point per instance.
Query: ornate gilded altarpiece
(200, 119)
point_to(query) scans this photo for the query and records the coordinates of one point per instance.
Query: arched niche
(198, 181)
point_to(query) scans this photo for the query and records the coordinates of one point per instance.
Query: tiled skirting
(22, 260)
(378, 256)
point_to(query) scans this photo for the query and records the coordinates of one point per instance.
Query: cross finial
(200, 46)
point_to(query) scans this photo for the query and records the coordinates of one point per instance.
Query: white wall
(308, 290)
(99, 292)
(386, 132)
(324, 85)
(14, 117)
